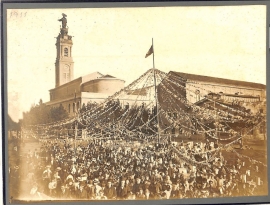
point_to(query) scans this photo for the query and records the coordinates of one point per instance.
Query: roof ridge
(218, 79)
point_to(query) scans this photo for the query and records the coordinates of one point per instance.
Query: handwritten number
(16, 14)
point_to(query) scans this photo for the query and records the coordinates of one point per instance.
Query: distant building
(223, 94)
(230, 91)
(73, 93)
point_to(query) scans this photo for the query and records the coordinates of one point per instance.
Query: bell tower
(64, 62)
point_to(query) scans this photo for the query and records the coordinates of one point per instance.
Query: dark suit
(170, 171)
(122, 192)
(110, 193)
(90, 192)
(136, 187)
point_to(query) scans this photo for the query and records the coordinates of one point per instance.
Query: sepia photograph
(136, 103)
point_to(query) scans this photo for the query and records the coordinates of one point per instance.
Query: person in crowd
(101, 196)
(122, 190)
(96, 187)
(81, 193)
(110, 191)
(46, 176)
(97, 171)
(137, 185)
(140, 195)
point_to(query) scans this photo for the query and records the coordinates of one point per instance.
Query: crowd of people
(96, 170)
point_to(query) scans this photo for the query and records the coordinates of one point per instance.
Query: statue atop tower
(64, 20)
(64, 29)
(64, 62)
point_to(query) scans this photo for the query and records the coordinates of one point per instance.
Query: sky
(218, 41)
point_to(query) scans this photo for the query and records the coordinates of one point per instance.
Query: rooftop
(218, 80)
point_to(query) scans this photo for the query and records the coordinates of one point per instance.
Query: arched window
(66, 52)
(73, 107)
(78, 105)
(68, 108)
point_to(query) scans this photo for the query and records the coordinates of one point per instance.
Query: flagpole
(156, 93)
(76, 124)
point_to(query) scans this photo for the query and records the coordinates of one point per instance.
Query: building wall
(103, 85)
(196, 90)
(93, 97)
(65, 94)
(68, 104)
(65, 91)
(101, 97)
(248, 103)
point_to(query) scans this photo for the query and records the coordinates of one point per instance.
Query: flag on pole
(149, 52)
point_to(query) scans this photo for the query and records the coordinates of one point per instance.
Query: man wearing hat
(103, 184)
(97, 188)
(46, 176)
(158, 175)
(58, 181)
(128, 185)
(174, 178)
(137, 185)
(140, 195)
(110, 191)
(122, 190)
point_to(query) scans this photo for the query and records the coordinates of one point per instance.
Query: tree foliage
(43, 114)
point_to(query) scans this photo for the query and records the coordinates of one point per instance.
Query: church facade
(73, 93)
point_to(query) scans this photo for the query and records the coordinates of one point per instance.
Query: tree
(43, 114)
(58, 113)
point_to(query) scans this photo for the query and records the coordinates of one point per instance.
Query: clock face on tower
(66, 68)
